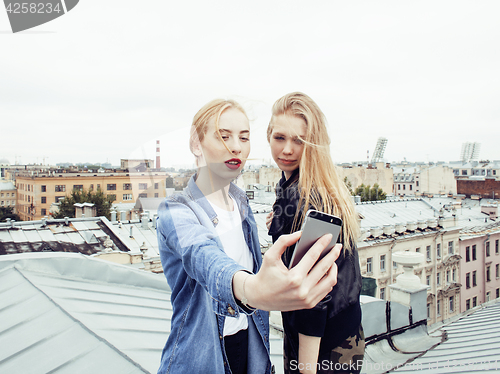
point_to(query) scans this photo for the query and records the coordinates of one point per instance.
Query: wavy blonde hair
(211, 110)
(330, 194)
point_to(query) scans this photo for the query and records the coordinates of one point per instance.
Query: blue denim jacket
(200, 276)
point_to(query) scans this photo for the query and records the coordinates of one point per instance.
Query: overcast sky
(107, 79)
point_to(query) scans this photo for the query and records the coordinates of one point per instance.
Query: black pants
(237, 351)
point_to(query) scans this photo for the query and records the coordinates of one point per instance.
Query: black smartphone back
(316, 224)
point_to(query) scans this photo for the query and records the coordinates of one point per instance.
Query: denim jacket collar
(236, 193)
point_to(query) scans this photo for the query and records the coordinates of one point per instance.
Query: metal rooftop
(69, 313)
(472, 345)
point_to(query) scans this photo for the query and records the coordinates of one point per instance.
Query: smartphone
(316, 224)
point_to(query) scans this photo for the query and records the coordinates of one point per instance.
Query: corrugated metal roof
(396, 211)
(68, 313)
(472, 345)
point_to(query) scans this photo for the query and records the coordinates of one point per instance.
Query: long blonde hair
(319, 175)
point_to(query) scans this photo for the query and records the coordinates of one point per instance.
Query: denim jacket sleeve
(189, 243)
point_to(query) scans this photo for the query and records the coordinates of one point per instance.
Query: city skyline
(107, 80)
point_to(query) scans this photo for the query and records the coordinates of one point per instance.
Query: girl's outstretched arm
(275, 287)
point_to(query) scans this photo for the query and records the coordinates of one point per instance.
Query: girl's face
(235, 131)
(286, 147)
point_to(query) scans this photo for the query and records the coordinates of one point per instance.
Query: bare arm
(308, 353)
(275, 287)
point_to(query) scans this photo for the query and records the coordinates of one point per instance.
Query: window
(112, 197)
(428, 280)
(382, 262)
(498, 293)
(143, 186)
(467, 254)
(439, 308)
(438, 279)
(404, 186)
(474, 280)
(78, 187)
(44, 200)
(44, 188)
(394, 265)
(111, 187)
(60, 188)
(417, 249)
(488, 277)
(127, 197)
(467, 304)
(454, 275)
(369, 265)
(474, 257)
(399, 186)
(127, 186)
(44, 211)
(411, 187)
(143, 195)
(464, 172)
(488, 296)
(497, 271)
(382, 293)
(496, 246)
(467, 280)
(417, 183)
(487, 249)
(156, 194)
(438, 250)
(447, 276)
(98, 187)
(428, 311)
(428, 252)
(474, 301)
(91, 187)
(451, 303)
(450, 248)
(156, 186)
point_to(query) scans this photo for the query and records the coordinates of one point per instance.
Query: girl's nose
(288, 148)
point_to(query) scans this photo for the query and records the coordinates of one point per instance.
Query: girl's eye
(278, 137)
(225, 137)
(244, 139)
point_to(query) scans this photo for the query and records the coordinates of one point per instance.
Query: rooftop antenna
(378, 154)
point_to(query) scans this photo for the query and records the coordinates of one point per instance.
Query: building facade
(8, 195)
(480, 270)
(37, 191)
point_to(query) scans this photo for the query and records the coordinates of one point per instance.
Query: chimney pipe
(158, 155)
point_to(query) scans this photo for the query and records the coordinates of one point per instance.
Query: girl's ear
(197, 148)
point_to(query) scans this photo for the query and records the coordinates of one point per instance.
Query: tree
(348, 184)
(8, 212)
(101, 202)
(368, 193)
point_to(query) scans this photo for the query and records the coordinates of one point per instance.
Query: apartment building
(8, 195)
(36, 191)
(412, 225)
(415, 180)
(480, 270)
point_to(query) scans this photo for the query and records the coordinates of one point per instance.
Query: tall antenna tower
(378, 154)
(470, 151)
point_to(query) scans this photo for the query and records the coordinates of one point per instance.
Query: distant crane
(378, 154)
(470, 151)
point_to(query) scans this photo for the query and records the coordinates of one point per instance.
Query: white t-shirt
(231, 235)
